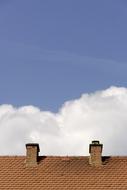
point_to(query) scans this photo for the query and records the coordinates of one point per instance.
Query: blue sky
(54, 51)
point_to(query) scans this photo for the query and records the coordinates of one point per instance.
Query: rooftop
(55, 172)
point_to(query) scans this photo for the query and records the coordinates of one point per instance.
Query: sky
(53, 52)
(97, 116)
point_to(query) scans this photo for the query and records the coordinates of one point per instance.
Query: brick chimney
(95, 150)
(32, 150)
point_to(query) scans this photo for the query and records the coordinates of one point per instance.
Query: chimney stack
(32, 150)
(95, 150)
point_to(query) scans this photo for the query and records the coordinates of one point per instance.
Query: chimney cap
(95, 143)
(33, 145)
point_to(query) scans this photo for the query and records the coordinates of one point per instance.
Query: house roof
(63, 173)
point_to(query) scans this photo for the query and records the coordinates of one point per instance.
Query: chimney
(95, 150)
(32, 150)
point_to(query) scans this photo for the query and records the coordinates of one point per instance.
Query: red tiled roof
(63, 173)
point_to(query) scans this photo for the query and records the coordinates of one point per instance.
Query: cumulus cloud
(101, 115)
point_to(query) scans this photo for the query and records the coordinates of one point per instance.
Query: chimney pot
(32, 150)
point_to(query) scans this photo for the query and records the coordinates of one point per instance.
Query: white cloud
(98, 116)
